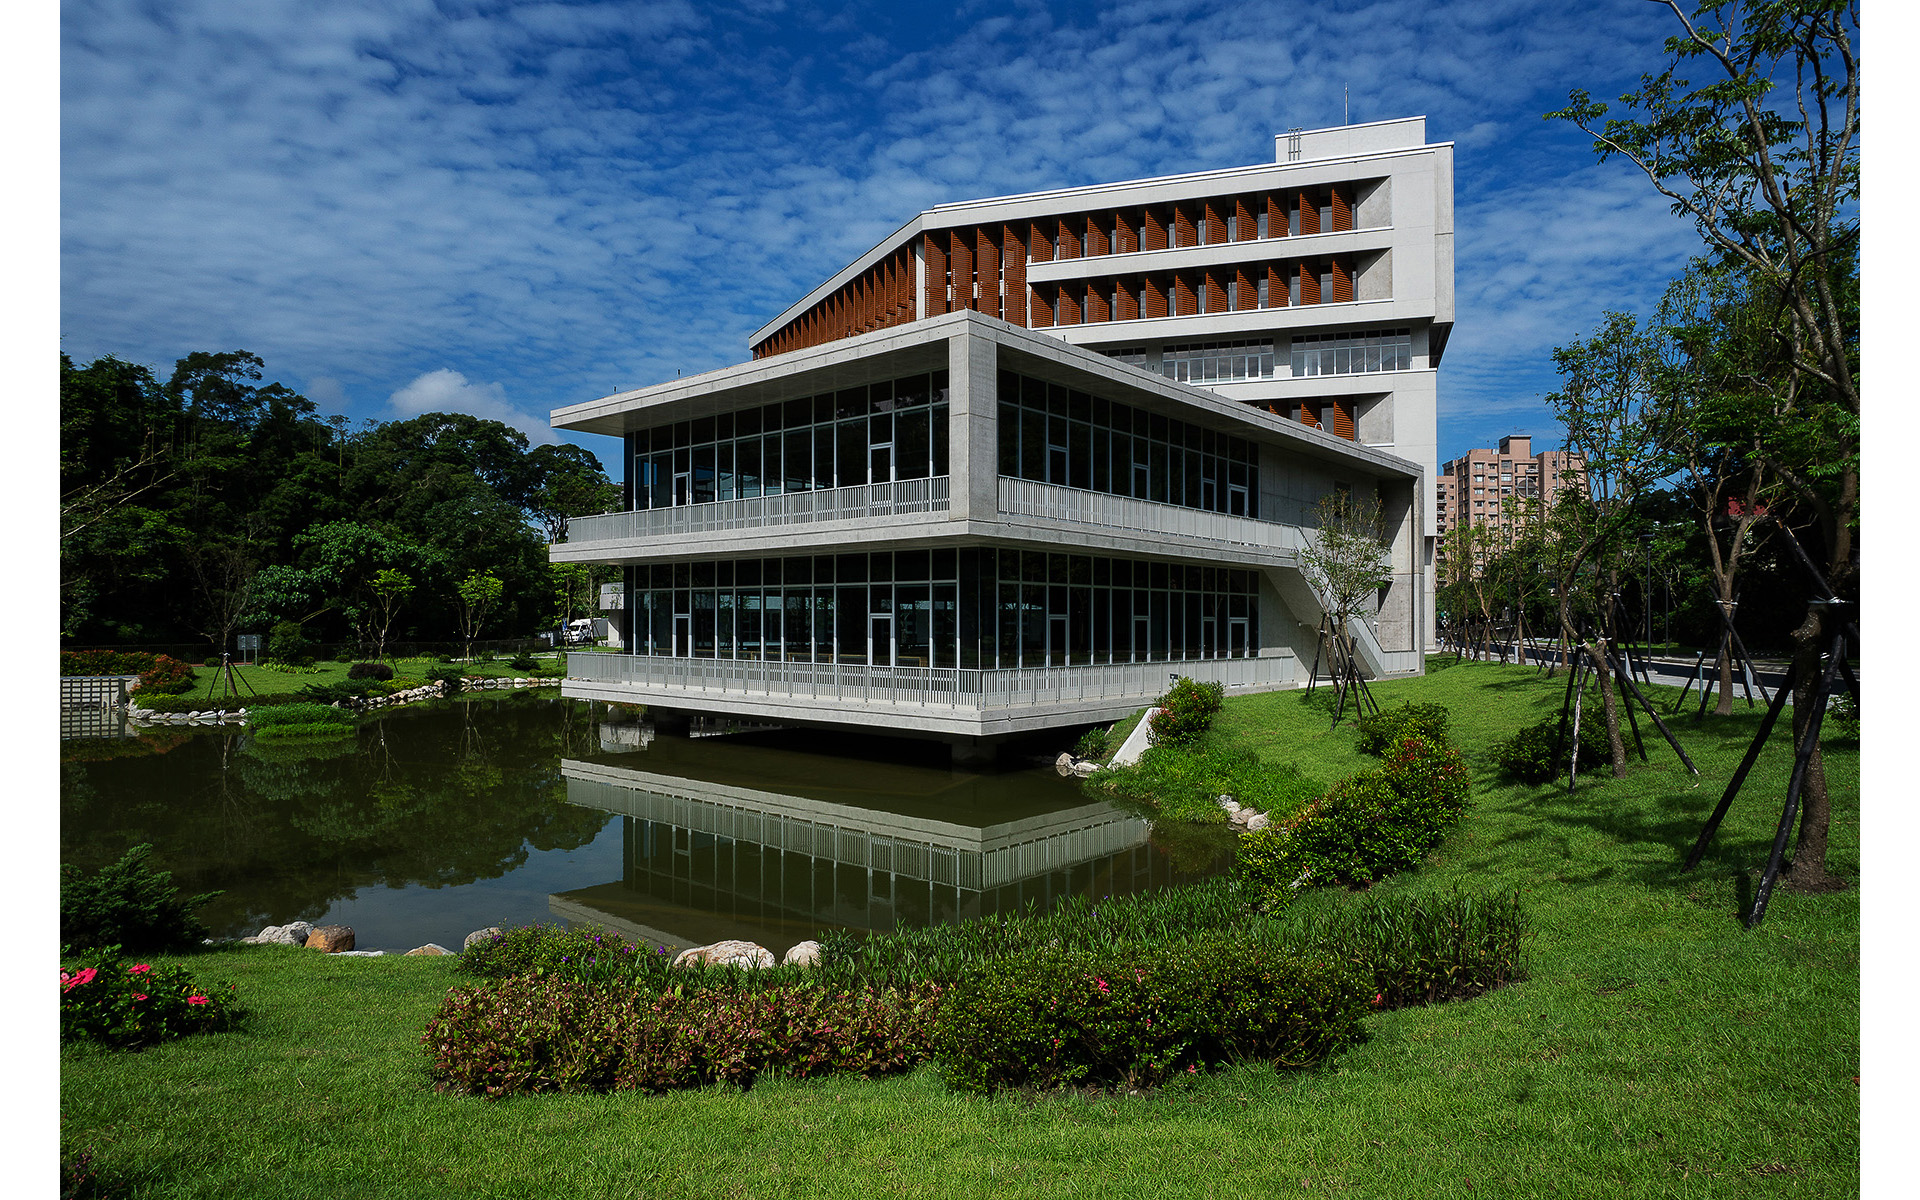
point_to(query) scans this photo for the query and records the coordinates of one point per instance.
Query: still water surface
(439, 819)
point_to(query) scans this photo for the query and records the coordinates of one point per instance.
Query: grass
(268, 679)
(1655, 1049)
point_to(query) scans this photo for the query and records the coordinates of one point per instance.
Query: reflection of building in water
(705, 861)
(93, 721)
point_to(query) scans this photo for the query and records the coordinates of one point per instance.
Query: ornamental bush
(166, 677)
(1138, 1016)
(288, 643)
(1422, 949)
(1529, 756)
(1185, 712)
(546, 1034)
(129, 1005)
(128, 905)
(378, 671)
(1384, 728)
(1366, 827)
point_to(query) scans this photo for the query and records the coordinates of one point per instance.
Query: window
(1352, 353)
(1204, 362)
(1260, 222)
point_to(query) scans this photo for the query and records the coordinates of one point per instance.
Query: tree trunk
(1809, 868)
(1724, 584)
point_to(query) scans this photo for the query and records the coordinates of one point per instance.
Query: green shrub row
(191, 702)
(166, 677)
(1137, 1016)
(105, 662)
(1368, 826)
(1421, 949)
(129, 905)
(299, 714)
(546, 1034)
(126, 1005)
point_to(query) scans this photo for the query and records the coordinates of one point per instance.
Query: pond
(438, 819)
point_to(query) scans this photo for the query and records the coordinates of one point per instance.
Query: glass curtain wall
(977, 608)
(873, 433)
(1054, 434)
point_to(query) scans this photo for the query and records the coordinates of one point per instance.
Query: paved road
(1676, 672)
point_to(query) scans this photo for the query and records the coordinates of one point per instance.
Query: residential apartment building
(1499, 488)
(1029, 456)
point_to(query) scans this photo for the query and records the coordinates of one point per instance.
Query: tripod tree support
(1801, 758)
(1661, 726)
(1740, 776)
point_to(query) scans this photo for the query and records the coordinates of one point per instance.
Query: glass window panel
(938, 422)
(912, 454)
(852, 453)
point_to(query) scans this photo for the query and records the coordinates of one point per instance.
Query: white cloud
(448, 391)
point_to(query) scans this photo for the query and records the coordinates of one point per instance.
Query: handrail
(899, 498)
(1052, 502)
(944, 687)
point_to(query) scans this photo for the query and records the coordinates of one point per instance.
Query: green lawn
(269, 679)
(1656, 1048)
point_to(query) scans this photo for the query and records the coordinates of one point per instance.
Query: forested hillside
(212, 504)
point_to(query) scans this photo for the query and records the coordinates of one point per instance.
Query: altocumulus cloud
(447, 390)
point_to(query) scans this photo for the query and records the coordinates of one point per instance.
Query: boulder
(806, 954)
(482, 935)
(1085, 768)
(1230, 805)
(431, 949)
(1064, 764)
(331, 939)
(294, 934)
(727, 954)
(1257, 822)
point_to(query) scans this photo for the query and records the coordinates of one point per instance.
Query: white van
(579, 632)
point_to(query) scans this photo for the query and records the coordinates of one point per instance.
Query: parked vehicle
(579, 632)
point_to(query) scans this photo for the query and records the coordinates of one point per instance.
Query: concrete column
(974, 754)
(973, 452)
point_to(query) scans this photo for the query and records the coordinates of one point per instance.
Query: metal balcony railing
(1051, 502)
(903, 497)
(841, 684)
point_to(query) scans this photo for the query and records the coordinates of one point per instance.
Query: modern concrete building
(1497, 488)
(1029, 456)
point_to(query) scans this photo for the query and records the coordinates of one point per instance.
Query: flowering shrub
(1185, 712)
(105, 999)
(1138, 1016)
(166, 677)
(1366, 827)
(531, 1033)
(105, 662)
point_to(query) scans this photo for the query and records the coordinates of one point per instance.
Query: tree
(390, 590)
(1604, 405)
(567, 481)
(1763, 157)
(477, 593)
(1346, 559)
(1720, 393)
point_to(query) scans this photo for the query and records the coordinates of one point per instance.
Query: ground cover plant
(1652, 1048)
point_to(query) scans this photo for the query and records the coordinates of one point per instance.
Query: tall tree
(1762, 154)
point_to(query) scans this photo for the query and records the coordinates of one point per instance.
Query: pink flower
(196, 999)
(139, 969)
(139, 995)
(74, 981)
(1100, 983)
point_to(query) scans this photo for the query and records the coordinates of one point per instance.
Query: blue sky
(503, 208)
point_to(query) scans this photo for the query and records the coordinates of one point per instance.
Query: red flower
(74, 981)
(139, 969)
(196, 999)
(139, 995)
